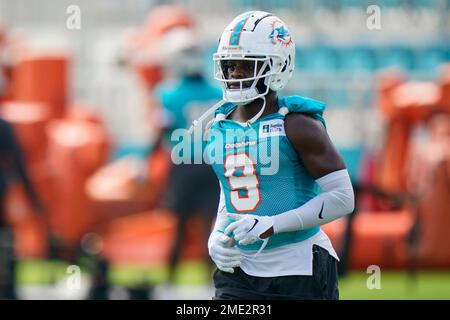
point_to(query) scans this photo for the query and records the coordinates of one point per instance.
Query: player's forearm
(335, 201)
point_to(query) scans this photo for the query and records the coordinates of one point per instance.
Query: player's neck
(246, 112)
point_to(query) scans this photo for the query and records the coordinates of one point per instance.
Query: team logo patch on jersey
(271, 128)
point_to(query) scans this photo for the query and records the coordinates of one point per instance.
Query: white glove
(248, 228)
(224, 256)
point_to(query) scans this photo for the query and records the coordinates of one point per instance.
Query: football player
(267, 242)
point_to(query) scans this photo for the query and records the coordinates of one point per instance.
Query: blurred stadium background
(81, 100)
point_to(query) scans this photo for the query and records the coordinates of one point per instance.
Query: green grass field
(394, 284)
(397, 285)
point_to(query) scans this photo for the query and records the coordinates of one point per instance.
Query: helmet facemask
(244, 90)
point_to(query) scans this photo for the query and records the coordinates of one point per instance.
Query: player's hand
(248, 228)
(221, 250)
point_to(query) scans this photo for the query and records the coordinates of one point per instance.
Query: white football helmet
(260, 37)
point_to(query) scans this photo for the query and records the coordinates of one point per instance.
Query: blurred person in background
(145, 54)
(8, 145)
(192, 188)
(12, 170)
(3, 73)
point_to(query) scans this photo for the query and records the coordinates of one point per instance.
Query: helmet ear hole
(286, 63)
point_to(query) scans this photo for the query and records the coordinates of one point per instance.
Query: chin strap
(207, 113)
(260, 112)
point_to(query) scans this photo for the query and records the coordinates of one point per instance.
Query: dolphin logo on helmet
(280, 33)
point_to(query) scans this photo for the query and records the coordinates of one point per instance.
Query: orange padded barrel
(76, 150)
(144, 238)
(380, 239)
(120, 188)
(147, 238)
(42, 78)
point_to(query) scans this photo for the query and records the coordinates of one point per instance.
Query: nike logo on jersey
(321, 210)
(256, 221)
